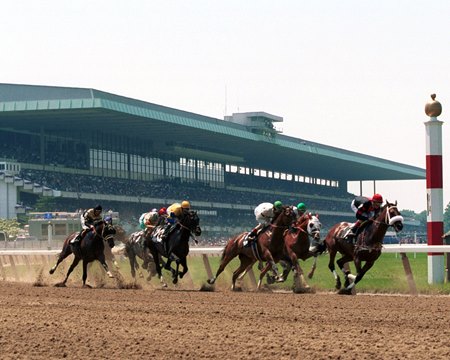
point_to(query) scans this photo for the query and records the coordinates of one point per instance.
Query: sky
(352, 74)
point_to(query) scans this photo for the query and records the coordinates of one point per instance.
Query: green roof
(33, 107)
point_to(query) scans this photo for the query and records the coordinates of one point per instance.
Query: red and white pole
(435, 204)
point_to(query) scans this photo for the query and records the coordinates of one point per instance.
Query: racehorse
(367, 248)
(177, 245)
(297, 246)
(119, 236)
(268, 246)
(91, 248)
(134, 247)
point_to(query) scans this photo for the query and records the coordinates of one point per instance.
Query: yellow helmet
(185, 205)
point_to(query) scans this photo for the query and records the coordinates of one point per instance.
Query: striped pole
(435, 207)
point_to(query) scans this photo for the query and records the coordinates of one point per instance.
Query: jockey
(149, 220)
(264, 214)
(88, 218)
(301, 209)
(365, 209)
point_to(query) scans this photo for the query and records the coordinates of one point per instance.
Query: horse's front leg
(101, 258)
(85, 273)
(175, 272)
(157, 259)
(361, 272)
(269, 265)
(183, 263)
(313, 267)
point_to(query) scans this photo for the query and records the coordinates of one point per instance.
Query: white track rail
(407, 248)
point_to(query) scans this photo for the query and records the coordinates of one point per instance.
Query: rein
(388, 221)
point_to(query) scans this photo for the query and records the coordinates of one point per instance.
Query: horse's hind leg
(64, 253)
(223, 263)
(75, 262)
(333, 269)
(245, 263)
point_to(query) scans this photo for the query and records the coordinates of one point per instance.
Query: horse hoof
(51, 271)
(60, 285)
(345, 292)
(210, 281)
(310, 276)
(86, 286)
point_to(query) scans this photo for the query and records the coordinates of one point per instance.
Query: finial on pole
(433, 108)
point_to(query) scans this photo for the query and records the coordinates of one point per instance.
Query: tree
(447, 218)
(11, 227)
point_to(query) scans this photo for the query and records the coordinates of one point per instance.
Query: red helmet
(162, 211)
(377, 198)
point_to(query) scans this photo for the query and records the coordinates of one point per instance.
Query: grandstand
(82, 146)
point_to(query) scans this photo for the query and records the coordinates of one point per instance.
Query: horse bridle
(388, 220)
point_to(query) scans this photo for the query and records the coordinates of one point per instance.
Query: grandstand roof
(36, 108)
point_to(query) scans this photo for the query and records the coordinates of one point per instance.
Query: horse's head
(286, 216)
(192, 222)
(108, 232)
(314, 227)
(390, 215)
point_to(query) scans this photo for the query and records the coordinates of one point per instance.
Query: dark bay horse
(91, 248)
(268, 246)
(297, 246)
(177, 244)
(367, 247)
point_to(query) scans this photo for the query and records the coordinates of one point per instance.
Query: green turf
(386, 276)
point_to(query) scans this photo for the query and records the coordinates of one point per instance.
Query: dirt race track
(46, 322)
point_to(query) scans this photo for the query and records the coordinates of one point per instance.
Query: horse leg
(223, 263)
(333, 269)
(341, 263)
(287, 267)
(75, 262)
(132, 259)
(183, 263)
(101, 258)
(85, 264)
(313, 267)
(64, 253)
(245, 263)
(155, 255)
(269, 265)
(175, 272)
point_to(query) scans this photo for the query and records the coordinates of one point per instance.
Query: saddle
(344, 235)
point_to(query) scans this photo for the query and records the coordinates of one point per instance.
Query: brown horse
(91, 248)
(268, 247)
(367, 248)
(297, 246)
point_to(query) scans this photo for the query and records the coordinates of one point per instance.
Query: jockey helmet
(301, 206)
(185, 204)
(277, 204)
(153, 216)
(98, 208)
(162, 211)
(108, 219)
(377, 198)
